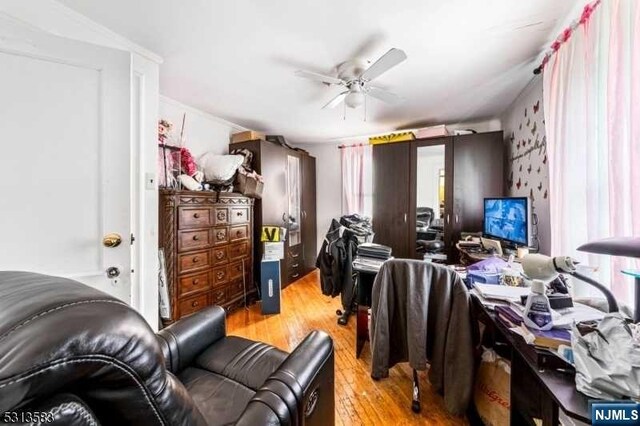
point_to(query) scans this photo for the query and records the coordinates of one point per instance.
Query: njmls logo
(615, 413)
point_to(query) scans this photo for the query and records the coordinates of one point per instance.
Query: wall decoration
(527, 170)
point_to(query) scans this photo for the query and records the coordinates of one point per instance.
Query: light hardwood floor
(359, 399)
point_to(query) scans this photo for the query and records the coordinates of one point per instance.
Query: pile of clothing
(335, 259)
(370, 257)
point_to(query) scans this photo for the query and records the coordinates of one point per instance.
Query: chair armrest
(305, 381)
(185, 339)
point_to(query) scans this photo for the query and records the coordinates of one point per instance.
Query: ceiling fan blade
(318, 77)
(383, 95)
(335, 101)
(387, 61)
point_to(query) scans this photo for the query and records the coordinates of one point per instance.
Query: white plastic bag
(607, 360)
(219, 168)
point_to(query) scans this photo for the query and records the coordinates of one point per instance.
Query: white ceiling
(468, 59)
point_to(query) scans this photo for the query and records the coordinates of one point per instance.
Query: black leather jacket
(335, 263)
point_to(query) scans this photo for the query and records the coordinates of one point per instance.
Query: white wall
(203, 132)
(527, 173)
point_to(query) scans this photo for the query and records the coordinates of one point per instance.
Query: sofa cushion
(242, 360)
(220, 399)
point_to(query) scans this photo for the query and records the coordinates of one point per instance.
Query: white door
(64, 157)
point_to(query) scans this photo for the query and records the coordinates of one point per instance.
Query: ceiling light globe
(354, 99)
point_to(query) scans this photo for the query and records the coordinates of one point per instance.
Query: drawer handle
(295, 265)
(194, 304)
(239, 233)
(221, 215)
(220, 275)
(295, 256)
(239, 214)
(196, 259)
(196, 281)
(196, 215)
(220, 235)
(196, 237)
(220, 255)
(295, 275)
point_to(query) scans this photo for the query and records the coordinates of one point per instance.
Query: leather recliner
(72, 355)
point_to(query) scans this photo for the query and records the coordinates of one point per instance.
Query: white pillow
(219, 168)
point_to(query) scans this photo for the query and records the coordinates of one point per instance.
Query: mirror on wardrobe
(430, 200)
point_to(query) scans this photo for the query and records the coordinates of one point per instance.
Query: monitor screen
(507, 219)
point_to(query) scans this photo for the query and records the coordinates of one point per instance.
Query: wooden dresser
(207, 242)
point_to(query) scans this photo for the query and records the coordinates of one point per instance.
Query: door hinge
(132, 239)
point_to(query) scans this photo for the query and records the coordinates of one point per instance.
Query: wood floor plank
(360, 400)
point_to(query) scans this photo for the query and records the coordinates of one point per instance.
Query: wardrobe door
(391, 194)
(309, 212)
(477, 173)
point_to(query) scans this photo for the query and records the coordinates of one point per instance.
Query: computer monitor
(508, 219)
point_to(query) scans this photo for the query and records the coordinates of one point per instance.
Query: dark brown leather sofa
(72, 355)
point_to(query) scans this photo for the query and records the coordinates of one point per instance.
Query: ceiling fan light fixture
(354, 99)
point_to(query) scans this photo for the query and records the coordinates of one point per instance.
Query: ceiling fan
(355, 76)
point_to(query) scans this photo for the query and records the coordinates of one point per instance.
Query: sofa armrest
(185, 339)
(59, 410)
(307, 377)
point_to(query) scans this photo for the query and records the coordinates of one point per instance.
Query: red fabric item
(188, 163)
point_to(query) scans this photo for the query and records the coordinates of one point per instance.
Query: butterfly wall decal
(536, 107)
(534, 128)
(528, 122)
(545, 194)
(519, 183)
(539, 168)
(520, 168)
(526, 184)
(525, 112)
(544, 160)
(540, 186)
(531, 195)
(529, 169)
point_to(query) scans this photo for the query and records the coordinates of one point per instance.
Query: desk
(539, 393)
(365, 281)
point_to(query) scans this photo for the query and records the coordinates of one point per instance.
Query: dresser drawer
(235, 289)
(239, 215)
(192, 304)
(294, 276)
(189, 217)
(220, 216)
(220, 276)
(193, 283)
(192, 261)
(238, 233)
(219, 296)
(220, 236)
(220, 256)
(189, 240)
(236, 270)
(238, 250)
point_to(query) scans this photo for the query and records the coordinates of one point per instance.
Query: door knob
(113, 272)
(111, 240)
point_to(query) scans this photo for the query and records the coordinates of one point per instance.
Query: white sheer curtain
(592, 113)
(355, 163)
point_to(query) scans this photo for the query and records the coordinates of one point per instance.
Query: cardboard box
(249, 186)
(433, 132)
(249, 135)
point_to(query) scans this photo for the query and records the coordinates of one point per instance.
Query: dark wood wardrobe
(473, 170)
(289, 200)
